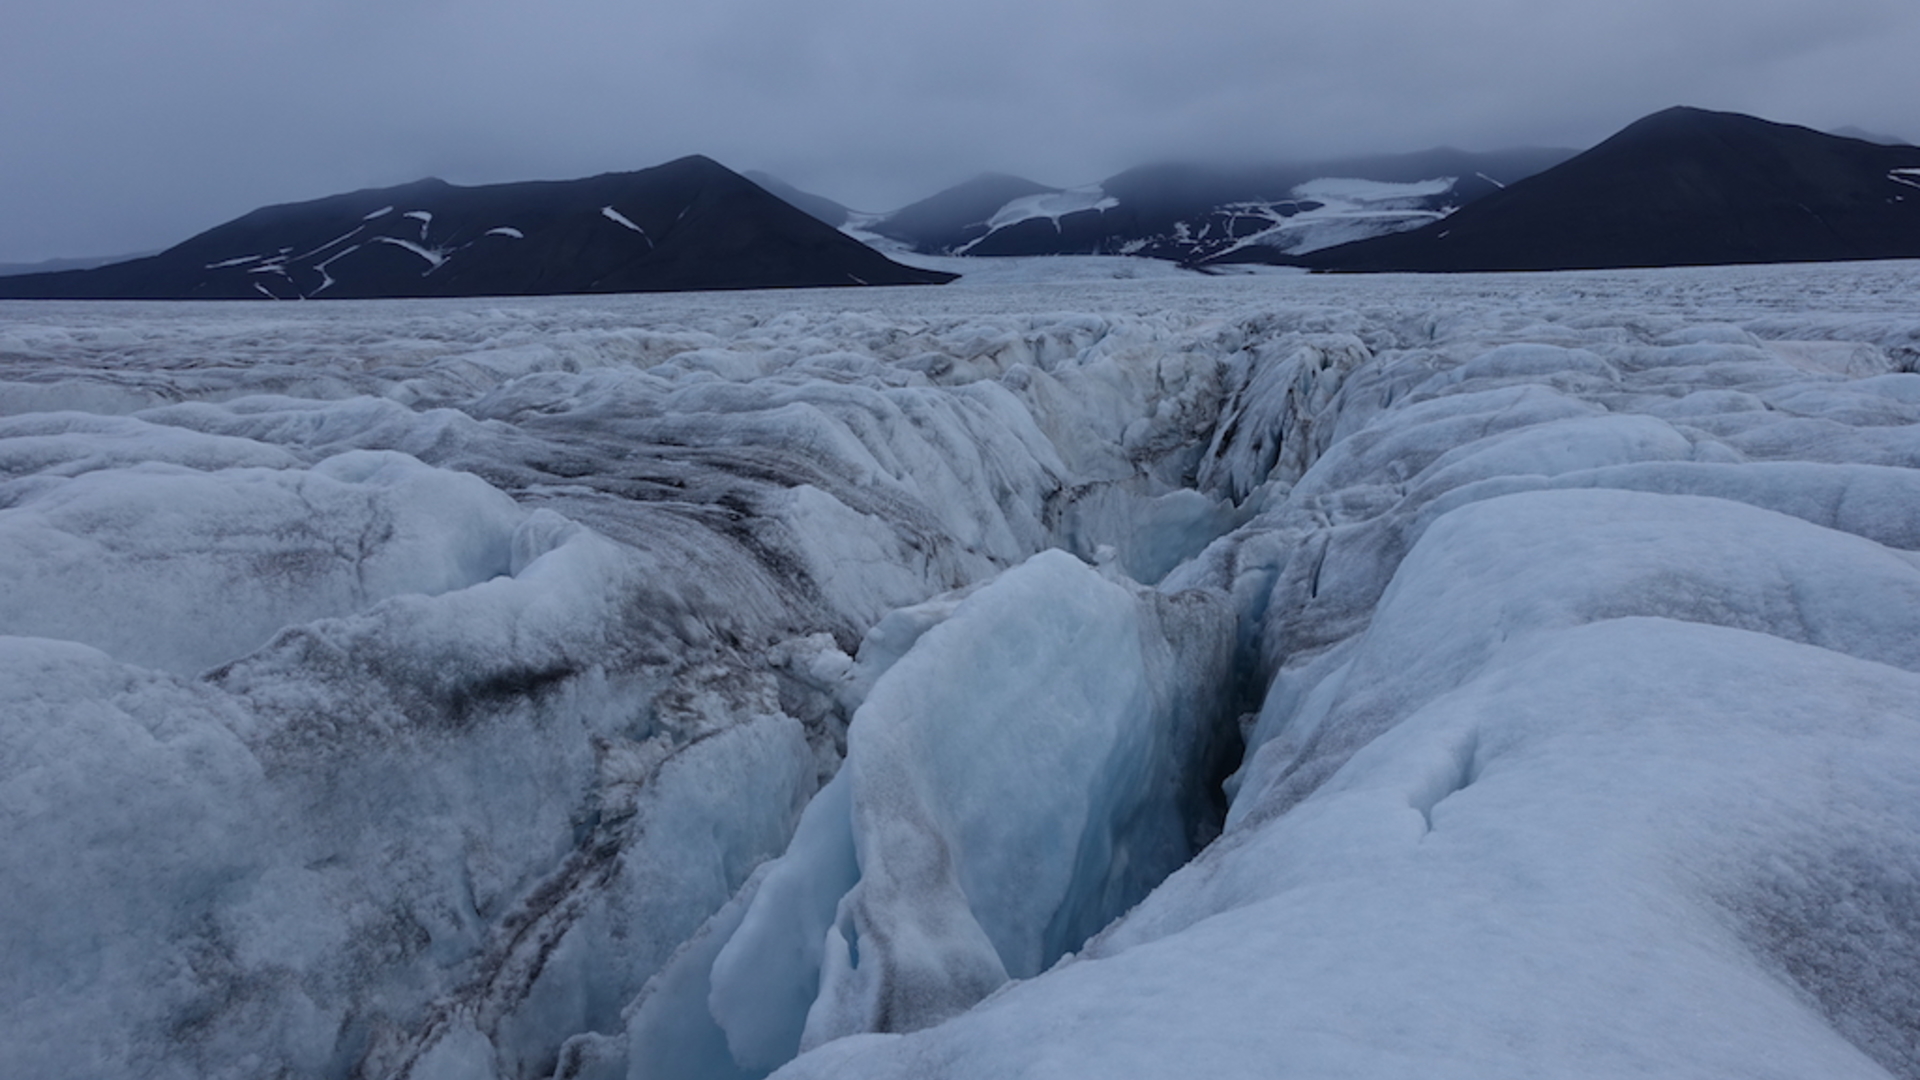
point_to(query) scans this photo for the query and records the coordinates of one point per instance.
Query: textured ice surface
(182, 568)
(1555, 870)
(1023, 772)
(447, 688)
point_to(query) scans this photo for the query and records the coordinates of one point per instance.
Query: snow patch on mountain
(625, 222)
(1052, 206)
(1336, 210)
(434, 257)
(1372, 192)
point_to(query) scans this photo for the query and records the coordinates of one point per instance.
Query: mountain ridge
(1683, 186)
(1194, 213)
(687, 224)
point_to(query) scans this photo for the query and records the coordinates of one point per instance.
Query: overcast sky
(128, 125)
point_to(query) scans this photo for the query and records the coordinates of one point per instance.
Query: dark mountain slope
(688, 224)
(52, 266)
(1681, 187)
(1852, 132)
(819, 206)
(943, 223)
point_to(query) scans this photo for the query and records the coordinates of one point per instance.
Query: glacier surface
(1056, 674)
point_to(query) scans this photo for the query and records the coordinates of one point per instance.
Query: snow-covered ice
(1349, 189)
(1343, 209)
(1052, 206)
(1048, 675)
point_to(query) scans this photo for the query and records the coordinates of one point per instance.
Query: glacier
(1061, 673)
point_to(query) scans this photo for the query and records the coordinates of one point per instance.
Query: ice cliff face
(709, 686)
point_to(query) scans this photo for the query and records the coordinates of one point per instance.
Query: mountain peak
(691, 223)
(1687, 121)
(1684, 186)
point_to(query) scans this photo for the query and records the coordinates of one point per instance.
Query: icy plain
(1272, 676)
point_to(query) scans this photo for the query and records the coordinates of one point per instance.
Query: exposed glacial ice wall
(1024, 772)
(671, 686)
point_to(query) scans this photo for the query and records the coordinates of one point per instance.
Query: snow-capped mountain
(688, 224)
(1253, 677)
(1194, 214)
(1681, 187)
(954, 219)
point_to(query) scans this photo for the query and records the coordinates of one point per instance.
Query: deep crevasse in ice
(1024, 772)
(446, 690)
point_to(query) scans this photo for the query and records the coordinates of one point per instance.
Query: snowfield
(1064, 673)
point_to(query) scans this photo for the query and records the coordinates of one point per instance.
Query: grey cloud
(129, 125)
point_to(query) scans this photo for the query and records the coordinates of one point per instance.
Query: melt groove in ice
(841, 684)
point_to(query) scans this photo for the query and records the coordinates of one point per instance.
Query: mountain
(949, 222)
(1852, 132)
(817, 206)
(1681, 187)
(1194, 213)
(49, 266)
(688, 224)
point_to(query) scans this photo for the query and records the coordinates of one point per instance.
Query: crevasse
(710, 686)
